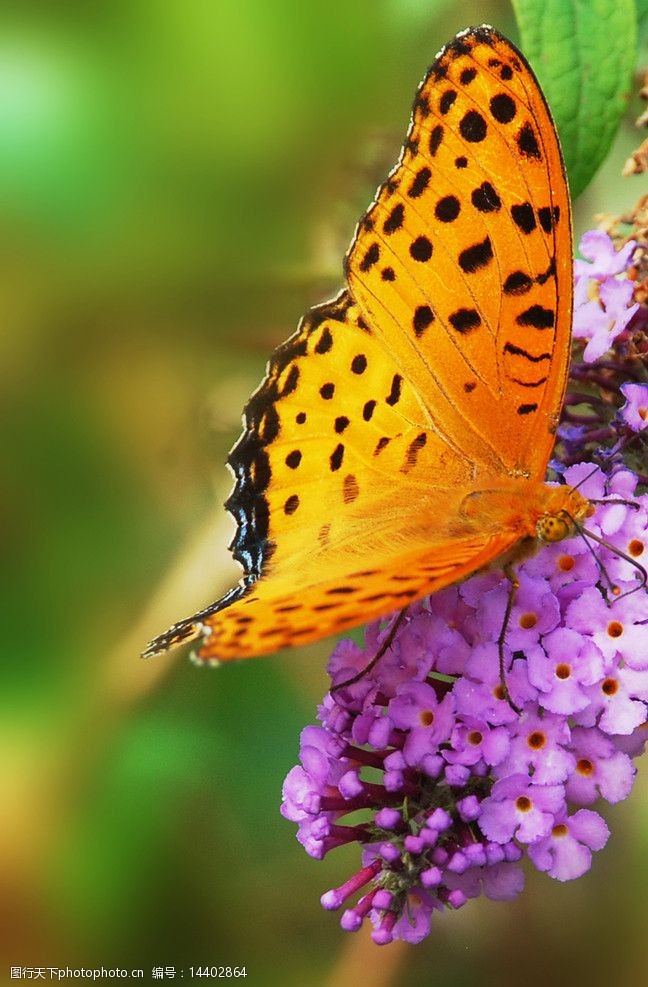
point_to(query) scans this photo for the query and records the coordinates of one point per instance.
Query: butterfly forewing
(463, 263)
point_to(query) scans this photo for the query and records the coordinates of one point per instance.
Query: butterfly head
(565, 510)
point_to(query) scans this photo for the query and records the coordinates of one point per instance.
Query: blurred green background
(178, 183)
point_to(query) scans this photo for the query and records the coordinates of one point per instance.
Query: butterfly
(400, 440)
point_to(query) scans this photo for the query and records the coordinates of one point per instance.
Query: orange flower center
(615, 629)
(426, 717)
(498, 691)
(536, 740)
(528, 620)
(584, 767)
(559, 830)
(636, 547)
(563, 671)
(566, 563)
(523, 804)
(610, 687)
(475, 737)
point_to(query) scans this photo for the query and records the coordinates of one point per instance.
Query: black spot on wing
(420, 183)
(447, 209)
(436, 136)
(421, 249)
(370, 258)
(291, 504)
(290, 383)
(524, 217)
(336, 458)
(472, 127)
(530, 383)
(485, 199)
(477, 256)
(325, 342)
(447, 101)
(517, 283)
(527, 142)
(413, 450)
(464, 320)
(395, 392)
(519, 351)
(423, 317)
(536, 316)
(341, 423)
(368, 410)
(395, 219)
(503, 107)
(467, 76)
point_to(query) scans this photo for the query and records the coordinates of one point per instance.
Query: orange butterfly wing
(440, 374)
(464, 262)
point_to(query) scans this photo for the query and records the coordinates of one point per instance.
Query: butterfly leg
(514, 584)
(387, 643)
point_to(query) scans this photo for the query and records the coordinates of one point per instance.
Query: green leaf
(583, 52)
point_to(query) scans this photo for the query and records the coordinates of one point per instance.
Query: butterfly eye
(553, 527)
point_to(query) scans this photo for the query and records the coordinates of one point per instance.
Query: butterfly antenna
(616, 500)
(514, 584)
(585, 479)
(386, 644)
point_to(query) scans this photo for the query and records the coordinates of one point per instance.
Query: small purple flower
(602, 770)
(474, 741)
(566, 852)
(602, 321)
(414, 923)
(602, 259)
(518, 808)
(539, 748)
(562, 667)
(479, 692)
(536, 611)
(617, 704)
(427, 721)
(617, 629)
(634, 412)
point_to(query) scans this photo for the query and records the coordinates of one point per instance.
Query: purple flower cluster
(452, 785)
(444, 783)
(603, 296)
